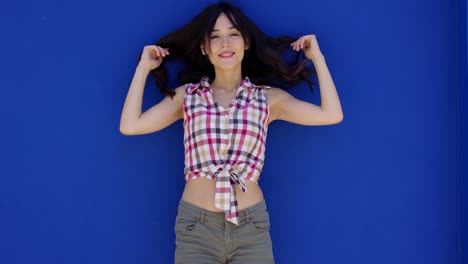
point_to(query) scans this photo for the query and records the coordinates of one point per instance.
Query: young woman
(226, 108)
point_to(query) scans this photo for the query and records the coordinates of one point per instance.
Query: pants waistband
(204, 214)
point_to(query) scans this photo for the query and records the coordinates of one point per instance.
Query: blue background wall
(464, 132)
(383, 186)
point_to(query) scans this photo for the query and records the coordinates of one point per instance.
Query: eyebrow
(218, 29)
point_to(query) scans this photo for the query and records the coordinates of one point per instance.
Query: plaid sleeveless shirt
(225, 144)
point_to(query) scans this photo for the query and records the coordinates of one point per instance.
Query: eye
(234, 34)
(213, 37)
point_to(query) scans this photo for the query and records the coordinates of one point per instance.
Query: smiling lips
(226, 54)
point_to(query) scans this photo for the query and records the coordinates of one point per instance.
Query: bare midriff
(201, 192)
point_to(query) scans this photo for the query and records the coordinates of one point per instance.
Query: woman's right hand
(152, 56)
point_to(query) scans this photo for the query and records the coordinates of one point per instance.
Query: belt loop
(247, 215)
(202, 216)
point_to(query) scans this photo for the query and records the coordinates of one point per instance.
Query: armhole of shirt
(268, 104)
(265, 88)
(184, 103)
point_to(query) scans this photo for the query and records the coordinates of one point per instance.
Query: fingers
(295, 44)
(162, 52)
(159, 51)
(298, 44)
(302, 42)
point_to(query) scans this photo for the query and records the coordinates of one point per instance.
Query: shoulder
(277, 100)
(180, 91)
(276, 95)
(190, 87)
(187, 88)
(179, 96)
(178, 99)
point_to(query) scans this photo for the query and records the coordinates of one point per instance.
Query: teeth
(226, 55)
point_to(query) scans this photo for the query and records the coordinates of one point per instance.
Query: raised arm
(285, 107)
(161, 115)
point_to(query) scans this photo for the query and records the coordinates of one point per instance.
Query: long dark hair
(262, 62)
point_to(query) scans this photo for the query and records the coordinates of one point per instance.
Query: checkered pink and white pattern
(225, 144)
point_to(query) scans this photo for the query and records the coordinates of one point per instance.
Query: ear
(202, 47)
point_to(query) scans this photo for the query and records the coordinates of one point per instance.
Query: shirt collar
(205, 83)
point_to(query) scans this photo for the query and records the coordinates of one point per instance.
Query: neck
(227, 80)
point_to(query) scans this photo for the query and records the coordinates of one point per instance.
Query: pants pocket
(185, 225)
(260, 226)
(260, 221)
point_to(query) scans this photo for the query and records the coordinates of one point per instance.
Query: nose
(225, 41)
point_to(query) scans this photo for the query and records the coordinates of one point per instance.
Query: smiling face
(226, 45)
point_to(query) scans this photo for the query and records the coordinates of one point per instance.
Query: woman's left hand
(309, 45)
